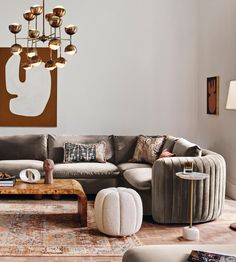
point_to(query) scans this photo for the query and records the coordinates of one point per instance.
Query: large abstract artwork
(27, 98)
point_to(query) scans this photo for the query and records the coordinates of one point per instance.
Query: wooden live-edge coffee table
(59, 187)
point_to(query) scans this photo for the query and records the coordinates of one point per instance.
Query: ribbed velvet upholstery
(170, 194)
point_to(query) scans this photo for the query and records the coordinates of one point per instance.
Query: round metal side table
(190, 232)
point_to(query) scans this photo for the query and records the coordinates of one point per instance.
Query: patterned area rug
(50, 228)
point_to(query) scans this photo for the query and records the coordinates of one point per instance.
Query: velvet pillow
(85, 152)
(148, 149)
(166, 153)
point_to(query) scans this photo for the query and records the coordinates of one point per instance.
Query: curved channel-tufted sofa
(170, 194)
(164, 195)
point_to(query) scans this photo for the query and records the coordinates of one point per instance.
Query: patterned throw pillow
(148, 149)
(166, 153)
(85, 152)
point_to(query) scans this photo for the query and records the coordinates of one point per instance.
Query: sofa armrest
(170, 194)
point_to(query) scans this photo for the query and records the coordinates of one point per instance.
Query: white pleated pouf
(118, 211)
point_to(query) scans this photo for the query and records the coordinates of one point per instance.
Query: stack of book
(7, 180)
(201, 256)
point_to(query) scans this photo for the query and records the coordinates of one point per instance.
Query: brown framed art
(27, 98)
(213, 95)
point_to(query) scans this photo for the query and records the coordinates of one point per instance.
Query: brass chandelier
(54, 37)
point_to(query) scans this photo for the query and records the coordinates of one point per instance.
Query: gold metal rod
(36, 22)
(191, 204)
(43, 17)
(28, 40)
(65, 39)
(60, 38)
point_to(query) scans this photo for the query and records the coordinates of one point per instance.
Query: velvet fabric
(124, 147)
(139, 178)
(23, 147)
(85, 170)
(56, 145)
(126, 166)
(183, 147)
(170, 194)
(13, 167)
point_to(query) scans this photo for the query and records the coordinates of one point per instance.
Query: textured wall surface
(142, 68)
(135, 71)
(217, 56)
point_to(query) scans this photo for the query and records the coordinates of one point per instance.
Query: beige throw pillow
(148, 149)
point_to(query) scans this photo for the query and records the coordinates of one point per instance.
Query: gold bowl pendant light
(53, 37)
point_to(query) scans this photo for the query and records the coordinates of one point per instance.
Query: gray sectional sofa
(164, 195)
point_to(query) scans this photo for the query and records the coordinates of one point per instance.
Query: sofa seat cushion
(139, 178)
(126, 166)
(85, 170)
(14, 167)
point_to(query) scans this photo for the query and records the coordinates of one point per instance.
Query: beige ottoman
(118, 211)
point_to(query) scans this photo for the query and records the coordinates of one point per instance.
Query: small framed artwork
(213, 95)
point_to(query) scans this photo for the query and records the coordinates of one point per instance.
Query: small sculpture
(48, 166)
(30, 175)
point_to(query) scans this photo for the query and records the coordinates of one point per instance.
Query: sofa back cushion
(169, 143)
(23, 147)
(56, 145)
(183, 147)
(124, 147)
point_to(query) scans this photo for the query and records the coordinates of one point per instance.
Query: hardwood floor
(216, 232)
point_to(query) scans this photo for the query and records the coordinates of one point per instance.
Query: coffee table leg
(82, 210)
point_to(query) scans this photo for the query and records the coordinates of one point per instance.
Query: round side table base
(190, 233)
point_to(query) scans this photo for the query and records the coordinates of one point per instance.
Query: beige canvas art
(27, 98)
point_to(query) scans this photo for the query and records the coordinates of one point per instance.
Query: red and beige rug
(50, 228)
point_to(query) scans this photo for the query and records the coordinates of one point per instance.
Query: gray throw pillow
(85, 152)
(183, 147)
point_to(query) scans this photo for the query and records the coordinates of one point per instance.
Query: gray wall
(135, 71)
(142, 68)
(217, 56)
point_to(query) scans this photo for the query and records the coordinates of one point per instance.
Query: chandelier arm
(65, 39)
(35, 41)
(36, 22)
(23, 38)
